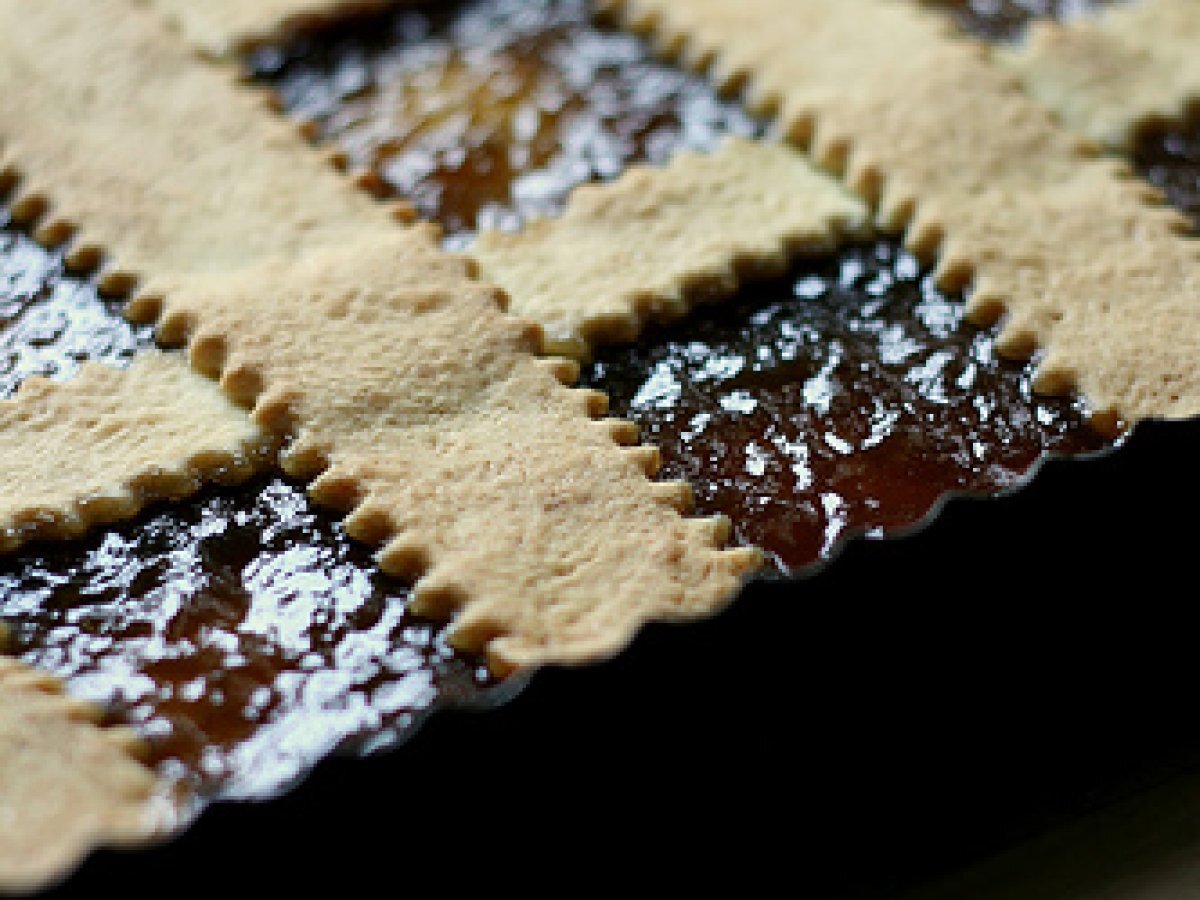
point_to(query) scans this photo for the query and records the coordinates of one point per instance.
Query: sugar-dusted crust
(97, 448)
(66, 784)
(385, 365)
(1105, 76)
(221, 27)
(655, 241)
(976, 171)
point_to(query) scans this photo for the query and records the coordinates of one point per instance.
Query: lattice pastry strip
(99, 447)
(657, 240)
(955, 151)
(420, 402)
(220, 27)
(108, 79)
(66, 784)
(374, 353)
(1103, 77)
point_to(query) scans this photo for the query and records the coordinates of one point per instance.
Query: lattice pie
(293, 323)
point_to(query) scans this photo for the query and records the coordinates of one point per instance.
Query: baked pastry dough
(390, 374)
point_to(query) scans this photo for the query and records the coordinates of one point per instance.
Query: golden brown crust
(655, 241)
(100, 447)
(977, 172)
(1104, 77)
(66, 784)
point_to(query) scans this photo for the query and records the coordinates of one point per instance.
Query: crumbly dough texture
(66, 784)
(97, 448)
(391, 372)
(222, 27)
(1073, 250)
(657, 240)
(1106, 76)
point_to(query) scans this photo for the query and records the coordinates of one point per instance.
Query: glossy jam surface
(51, 322)
(488, 113)
(1006, 20)
(847, 398)
(244, 633)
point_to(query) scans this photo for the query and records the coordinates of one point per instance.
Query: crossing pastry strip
(1105, 76)
(385, 365)
(66, 784)
(97, 448)
(657, 240)
(220, 27)
(957, 153)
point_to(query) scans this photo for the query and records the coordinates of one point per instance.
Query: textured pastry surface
(962, 157)
(422, 403)
(104, 125)
(654, 241)
(1105, 76)
(219, 27)
(66, 785)
(385, 365)
(100, 446)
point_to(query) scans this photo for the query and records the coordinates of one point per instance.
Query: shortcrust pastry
(421, 387)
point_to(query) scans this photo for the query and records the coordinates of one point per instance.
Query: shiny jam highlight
(848, 398)
(487, 114)
(242, 632)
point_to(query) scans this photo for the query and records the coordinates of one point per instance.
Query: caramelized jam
(847, 398)
(488, 113)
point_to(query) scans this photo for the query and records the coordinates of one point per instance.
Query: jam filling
(847, 398)
(50, 322)
(245, 635)
(486, 114)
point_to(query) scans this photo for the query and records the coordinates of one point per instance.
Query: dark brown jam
(243, 632)
(1005, 20)
(1167, 154)
(51, 322)
(488, 113)
(848, 398)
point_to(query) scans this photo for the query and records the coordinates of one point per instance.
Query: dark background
(918, 704)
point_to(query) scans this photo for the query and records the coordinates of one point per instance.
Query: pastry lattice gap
(518, 108)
